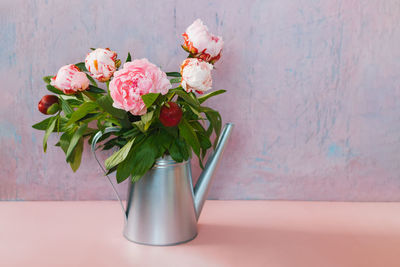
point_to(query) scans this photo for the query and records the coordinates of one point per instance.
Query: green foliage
(105, 102)
(81, 66)
(43, 125)
(54, 90)
(50, 127)
(47, 79)
(74, 141)
(175, 80)
(128, 58)
(173, 74)
(82, 111)
(207, 96)
(75, 159)
(179, 150)
(119, 156)
(95, 89)
(92, 81)
(150, 98)
(141, 139)
(189, 99)
(147, 119)
(125, 168)
(187, 132)
(66, 108)
(143, 158)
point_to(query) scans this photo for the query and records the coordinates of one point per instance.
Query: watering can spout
(203, 183)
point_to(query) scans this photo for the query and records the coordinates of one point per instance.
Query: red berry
(46, 102)
(170, 116)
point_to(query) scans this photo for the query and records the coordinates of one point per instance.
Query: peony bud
(202, 44)
(196, 75)
(101, 63)
(170, 116)
(49, 104)
(70, 79)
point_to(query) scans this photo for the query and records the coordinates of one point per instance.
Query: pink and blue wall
(313, 88)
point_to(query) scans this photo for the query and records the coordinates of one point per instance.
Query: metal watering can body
(160, 206)
(163, 207)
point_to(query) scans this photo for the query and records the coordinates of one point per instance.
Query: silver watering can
(163, 207)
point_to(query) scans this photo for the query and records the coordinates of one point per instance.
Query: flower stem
(170, 98)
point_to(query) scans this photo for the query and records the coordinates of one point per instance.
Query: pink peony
(202, 44)
(135, 79)
(70, 79)
(101, 63)
(196, 75)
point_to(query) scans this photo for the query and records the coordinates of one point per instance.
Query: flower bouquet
(157, 113)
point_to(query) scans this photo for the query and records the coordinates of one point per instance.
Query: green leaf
(149, 99)
(111, 170)
(47, 79)
(43, 125)
(179, 150)
(81, 66)
(163, 139)
(187, 132)
(112, 120)
(176, 80)
(195, 112)
(90, 117)
(105, 102)
(77, 156)
(197, 127)
(128, 58)
(130, 133)
(185, 150)
(64, 141)
(204, 141)
(82, 111)
(119, 156)
(92, 81)
(66, 108)
(96, 90)
(144, 158)
(175, 152)
(125, 168)
(215, 122)
(74, 102)
(135, 177)
(173, 74)
(54, 90)
(207, 96)
(88, 96)
(139, 125)
(147, 119)
(186, 97)
(74, 140)
(173, 131)
(49, 130)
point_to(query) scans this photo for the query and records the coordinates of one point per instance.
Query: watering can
(163, 207)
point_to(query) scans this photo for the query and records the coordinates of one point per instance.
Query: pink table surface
(231, 233)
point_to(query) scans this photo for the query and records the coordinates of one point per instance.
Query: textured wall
(313, 91)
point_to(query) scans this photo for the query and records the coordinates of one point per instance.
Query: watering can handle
(96, 138)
